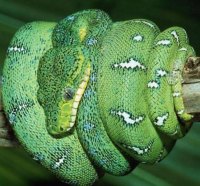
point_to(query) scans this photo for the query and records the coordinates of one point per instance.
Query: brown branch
(191, 96)
(191, 87)
(7, 138)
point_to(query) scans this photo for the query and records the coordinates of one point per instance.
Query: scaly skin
(87, 96)
(142, 93)
(64, 156)
(165, 57)
(132, 129)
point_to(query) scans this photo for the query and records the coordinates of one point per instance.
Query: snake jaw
(69, 108)
(78, 96)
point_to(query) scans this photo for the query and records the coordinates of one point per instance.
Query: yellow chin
(69, 109)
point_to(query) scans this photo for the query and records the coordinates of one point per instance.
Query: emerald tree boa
(87, 96)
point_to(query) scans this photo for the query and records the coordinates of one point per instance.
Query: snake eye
(68, 93)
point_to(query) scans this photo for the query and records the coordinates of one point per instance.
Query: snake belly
(87, 96)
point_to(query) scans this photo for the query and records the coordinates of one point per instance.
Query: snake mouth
(69, 109)
(77, 98)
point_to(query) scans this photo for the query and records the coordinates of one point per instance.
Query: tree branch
(191, 87)
(191, 96)
(7, 138)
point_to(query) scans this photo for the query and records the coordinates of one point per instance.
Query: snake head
(64, 70)
(62, 77)
(81, 28)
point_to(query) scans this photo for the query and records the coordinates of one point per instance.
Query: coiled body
(87, 96)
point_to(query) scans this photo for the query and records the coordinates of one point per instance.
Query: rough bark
(7, 137)
(191, 96)
(191, 87)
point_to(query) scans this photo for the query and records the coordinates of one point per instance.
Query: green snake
(87, 96)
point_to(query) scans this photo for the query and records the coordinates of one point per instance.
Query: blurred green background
(182, 166)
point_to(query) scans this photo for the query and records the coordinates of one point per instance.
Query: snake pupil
(68, 94)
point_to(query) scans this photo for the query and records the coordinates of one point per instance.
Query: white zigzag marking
(161, 119)
(130, 64)
(127, 117)
(139, 150)
(176, 36)
(164, 42)
(146, 23)
(180, 112)
(153, 84)
(60, 161)
(176, 94)
(161, 73)
(183, 49)
(16, 49)
(137, 38)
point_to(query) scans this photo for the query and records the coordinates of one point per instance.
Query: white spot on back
(176, 94)
(70, 18)
(57, 164)
(127, 117)
(161, 73)
(21, 107)
(183, 49)
(130, 64)
(160, 120)
(139, 150)
(164, 42)
(176, 36)
(60, 161)
(149, 24)
(153, 84)
(180, 112)
(16, 49)
(146, 23)
(138, 38)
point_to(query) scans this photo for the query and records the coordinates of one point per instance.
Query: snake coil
(86, 95)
